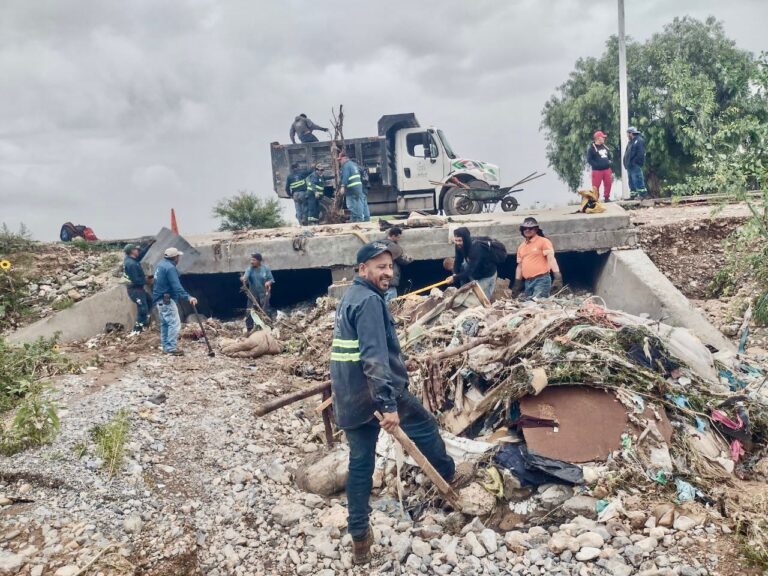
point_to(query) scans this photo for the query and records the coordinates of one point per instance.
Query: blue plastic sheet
(685, 491)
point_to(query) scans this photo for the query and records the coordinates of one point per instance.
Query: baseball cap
(633, 130)
(371, 250)
(128, 247)
(599, 134)
(172, 252)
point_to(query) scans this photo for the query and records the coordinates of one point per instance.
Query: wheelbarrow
(476, 196)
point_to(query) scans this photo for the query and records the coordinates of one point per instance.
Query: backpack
(89, 234)
(496, 248)
(67, 232)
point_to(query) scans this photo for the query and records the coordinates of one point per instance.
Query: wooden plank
(412, 450)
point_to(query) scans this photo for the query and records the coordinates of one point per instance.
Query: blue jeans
(487, 285)
(366, 208)
(140, 297)
(420, 426)
(170, 324)
(637, 181)
(300, 202)
(390, 294)
(538, 286)
(358, 206)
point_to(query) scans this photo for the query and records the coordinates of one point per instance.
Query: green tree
(691, 93)
(246, 211)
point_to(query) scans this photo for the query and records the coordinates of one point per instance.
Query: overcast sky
(113, 112)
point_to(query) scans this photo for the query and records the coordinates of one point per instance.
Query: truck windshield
(448, 150)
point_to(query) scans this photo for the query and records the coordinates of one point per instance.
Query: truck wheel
(509, 204)
(454, 203)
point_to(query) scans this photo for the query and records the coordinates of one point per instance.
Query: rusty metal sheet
(591, 422)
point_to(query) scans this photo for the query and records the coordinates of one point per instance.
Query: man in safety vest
(296, 188)
(353, 188)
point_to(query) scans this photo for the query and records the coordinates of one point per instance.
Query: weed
(62, 304)
(35, 423)
(19, 241)
(110, 439)
(81, 448)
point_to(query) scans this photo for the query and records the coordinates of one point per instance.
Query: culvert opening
(219, 295)
(580, 271)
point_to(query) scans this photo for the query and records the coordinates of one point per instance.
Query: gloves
(319, 195)
(557, 283)
(517, 287)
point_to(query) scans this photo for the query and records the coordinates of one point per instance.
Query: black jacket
(367, 369)
(297, 183)
(399, 258)
(134, 273)
(634, 155)
(598, 156)
(478, 259)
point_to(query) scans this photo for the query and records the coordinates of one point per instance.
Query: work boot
(361, 549)
(464, 474)
(174, 352)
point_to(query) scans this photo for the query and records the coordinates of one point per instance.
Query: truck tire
(454, 204)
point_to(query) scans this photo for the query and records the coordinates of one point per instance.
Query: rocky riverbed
(208, 488)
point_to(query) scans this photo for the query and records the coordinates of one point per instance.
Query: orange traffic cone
(174, 226)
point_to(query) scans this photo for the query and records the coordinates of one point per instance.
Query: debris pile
(544, 385)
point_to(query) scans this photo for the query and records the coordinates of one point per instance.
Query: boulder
(324, 473)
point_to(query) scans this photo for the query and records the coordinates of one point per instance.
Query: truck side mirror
(426, 142)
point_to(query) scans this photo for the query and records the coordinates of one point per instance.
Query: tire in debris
(455, 203)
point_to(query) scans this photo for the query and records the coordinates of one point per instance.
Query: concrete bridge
(597, 252)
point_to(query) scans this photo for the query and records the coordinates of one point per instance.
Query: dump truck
(406, 167)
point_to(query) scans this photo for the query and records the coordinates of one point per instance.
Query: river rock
(324, 474)
(289, 513)
(581, 506)
(590, 540)
(10, 563)
(476, 500)
(587, 553)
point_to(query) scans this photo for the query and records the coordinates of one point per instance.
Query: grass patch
(110, 439)
(63, 304)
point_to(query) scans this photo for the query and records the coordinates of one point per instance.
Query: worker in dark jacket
(368, 375)
(137, 282)
(166, 291)
(472, 261)
(296, 188)
(599, 159)
(315, 192)
(399, 259)
(634, 159)
(303, 126)
(353, 188)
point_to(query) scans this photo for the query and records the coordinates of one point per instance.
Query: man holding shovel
(166, 291)
(368, 375)
(259, 280)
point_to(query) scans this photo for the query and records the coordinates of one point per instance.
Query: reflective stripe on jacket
(367, 369)
(351, 177)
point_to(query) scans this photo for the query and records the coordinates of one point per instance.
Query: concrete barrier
(84, 319)
(630, 281)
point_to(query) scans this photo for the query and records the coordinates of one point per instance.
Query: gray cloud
(115, 112)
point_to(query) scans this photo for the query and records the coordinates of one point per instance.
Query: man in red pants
(599, 158)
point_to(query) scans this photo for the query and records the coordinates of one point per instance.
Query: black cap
(257, 255)
(371, 250)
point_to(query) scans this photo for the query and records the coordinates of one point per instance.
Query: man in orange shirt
(535, 261)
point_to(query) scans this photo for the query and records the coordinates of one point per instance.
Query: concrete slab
(630, 281)
(84, 319)
(335, 246)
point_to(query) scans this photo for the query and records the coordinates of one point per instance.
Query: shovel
(211, 353)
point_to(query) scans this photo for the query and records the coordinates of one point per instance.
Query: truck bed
(369, 153)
